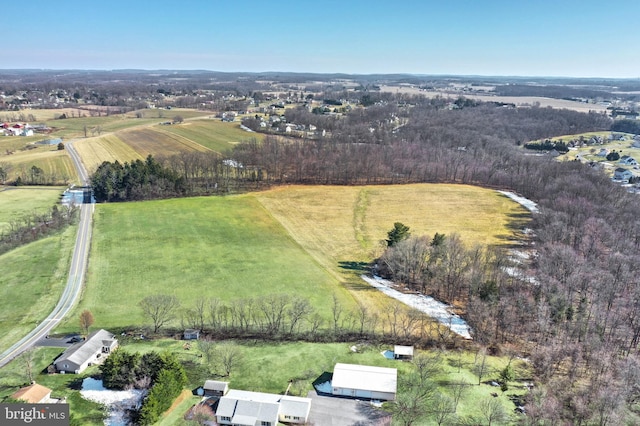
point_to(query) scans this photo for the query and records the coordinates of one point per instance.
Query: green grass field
(229, 248)
(31, 280)
(17, 202)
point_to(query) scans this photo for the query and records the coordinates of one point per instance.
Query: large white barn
(364, 381)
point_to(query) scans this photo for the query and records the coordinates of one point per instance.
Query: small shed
(191, 334)
(403, 353)
(215, 388)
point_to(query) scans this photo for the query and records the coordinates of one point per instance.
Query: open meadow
(306, 241)
(17, 202)
(32, 278)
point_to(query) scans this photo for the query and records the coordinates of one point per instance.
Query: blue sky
(576, 38)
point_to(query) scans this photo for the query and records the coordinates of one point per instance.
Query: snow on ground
(527, 204)
(430, 306)
(118, 402)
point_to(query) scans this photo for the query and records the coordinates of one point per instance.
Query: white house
(364, 381)
(247, 408)
(81, 355)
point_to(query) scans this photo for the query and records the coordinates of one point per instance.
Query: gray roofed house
(261, 409)
(95, 349)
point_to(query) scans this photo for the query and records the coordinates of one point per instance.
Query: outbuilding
(404, 353)
(364, 381)
(215, 388)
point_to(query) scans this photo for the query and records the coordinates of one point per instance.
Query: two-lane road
(75, 280)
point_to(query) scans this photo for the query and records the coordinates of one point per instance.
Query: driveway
(333, 411)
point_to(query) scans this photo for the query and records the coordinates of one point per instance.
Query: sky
(560, 38)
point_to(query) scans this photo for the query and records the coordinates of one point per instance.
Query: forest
(573, 310)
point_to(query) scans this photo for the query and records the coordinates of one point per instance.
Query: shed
(191, 334)
(215, 388)
(364, 381)
(403, 352)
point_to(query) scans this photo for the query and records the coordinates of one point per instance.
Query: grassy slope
(16, 202)
(213, 134)
(31, 280)
(228, 248)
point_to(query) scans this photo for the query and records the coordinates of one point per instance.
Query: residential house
(81, 355)
(364, 381)
(403, 352)
(627, 161)
(261, 409)
(33, 394)
(622, 174)
(603, 152)
(215, 388)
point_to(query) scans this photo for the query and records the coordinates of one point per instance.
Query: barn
(364, 381)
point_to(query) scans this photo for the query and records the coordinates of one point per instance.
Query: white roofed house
(95, 349)
(364, 381)
(246, 408)
(403, 352)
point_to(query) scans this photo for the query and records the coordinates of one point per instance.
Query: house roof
(215, 385)
(295, 406)
(365, 377)
(80, 352)
(32, 394)
(247, 408)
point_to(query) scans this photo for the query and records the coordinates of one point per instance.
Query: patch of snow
(524, 202)
(430, 306)
(117, 402)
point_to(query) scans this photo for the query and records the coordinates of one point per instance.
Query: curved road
(73, 288)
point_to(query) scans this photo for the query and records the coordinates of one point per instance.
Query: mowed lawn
(18, 202)
(223, 247)
(32, 278)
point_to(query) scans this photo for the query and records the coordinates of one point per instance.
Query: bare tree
(336, 310)
(86, 321)
(160, 308)
(493, 411)
(229, 357)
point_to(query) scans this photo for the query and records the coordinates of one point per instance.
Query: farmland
(32, 278)
(18, 202)
(215, 135)
(257, 244)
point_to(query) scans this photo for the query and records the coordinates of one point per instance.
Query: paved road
(76, 274)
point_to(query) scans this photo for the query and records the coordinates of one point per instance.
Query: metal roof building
(364, 381)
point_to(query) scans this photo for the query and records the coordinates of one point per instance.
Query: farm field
(213, 134)
(55, 164)
(74, 126)
(110, 147)
(340, 225)
(16, 202)
(297, 240)
(32, 278)
(223, 247)
(152, 141)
